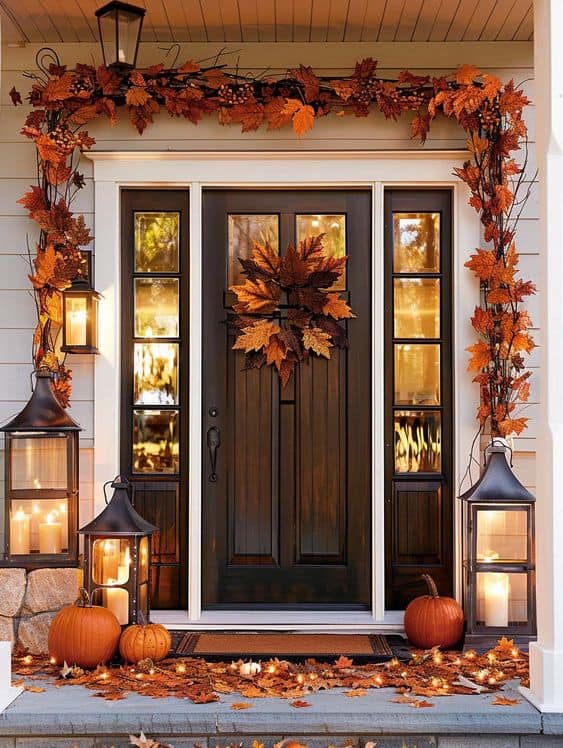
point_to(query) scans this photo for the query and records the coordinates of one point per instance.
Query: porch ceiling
(54, 21)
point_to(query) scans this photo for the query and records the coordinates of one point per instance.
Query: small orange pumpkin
(83, 634)
(145, 641)
(433, 621)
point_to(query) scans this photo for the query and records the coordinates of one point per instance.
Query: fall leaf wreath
(285, 310)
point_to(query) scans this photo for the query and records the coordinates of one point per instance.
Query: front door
(287, 518)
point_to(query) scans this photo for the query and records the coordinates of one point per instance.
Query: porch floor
(68, 717)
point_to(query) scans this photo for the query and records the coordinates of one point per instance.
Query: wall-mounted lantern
(120, 27)
(498, 516)
(80, 313)
(117, 552)
(41, 479)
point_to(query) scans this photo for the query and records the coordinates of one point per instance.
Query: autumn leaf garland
(285, 310)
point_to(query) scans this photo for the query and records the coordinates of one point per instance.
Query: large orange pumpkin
(145, 641)
(433, 621)
(83, 634)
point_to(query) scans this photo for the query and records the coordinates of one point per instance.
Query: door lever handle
(213, 443)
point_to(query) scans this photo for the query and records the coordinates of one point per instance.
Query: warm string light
(28, 659)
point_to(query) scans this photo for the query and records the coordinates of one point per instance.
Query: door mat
(288, 646)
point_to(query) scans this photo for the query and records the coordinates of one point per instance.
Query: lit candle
(117, 600)
(110, 559)
(50, 535)
(20, 532)
(123, 569)
(250, 668)
(77, 315)
(489, 556)
(496, 599)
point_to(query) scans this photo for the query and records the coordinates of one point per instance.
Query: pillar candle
(20, 532)
(496, 599)
(117, 600)
(49, 536)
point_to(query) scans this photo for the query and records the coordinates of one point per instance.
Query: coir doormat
(288, 646)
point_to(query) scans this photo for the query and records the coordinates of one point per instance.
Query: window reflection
(416, 242)
(243, 230)
(157, 239)
(417, 374)
(157, 309)
(418, 441)
(334, 241)
(417, 307)
(155, 441)
(155, 374)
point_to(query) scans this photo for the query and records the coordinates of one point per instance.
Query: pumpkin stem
(432, 589)
(83, 600)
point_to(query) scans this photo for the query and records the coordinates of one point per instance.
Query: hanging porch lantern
(41, 479)
(120, 27)
(498, 517)
(80, 313)
(117, 552)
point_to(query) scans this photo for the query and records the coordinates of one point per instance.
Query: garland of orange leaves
(490, 112)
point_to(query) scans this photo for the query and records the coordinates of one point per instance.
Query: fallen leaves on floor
(424, 676)
(143, 742)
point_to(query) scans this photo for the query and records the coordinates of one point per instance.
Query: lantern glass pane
(38, 462)
(502, 599)
(416, 242)
(155, 441)
(38, 526)
(157, 241)
(115, 599)
(416, 307)
(108, 38)
(155, 374)
(157, 307)
(417, 374)
(76, 320)
(144, 599)
(128, 30)
(243, 230)
(111, 561)
(143, 560)
(418, 441)
(502, 535)
(334, 241)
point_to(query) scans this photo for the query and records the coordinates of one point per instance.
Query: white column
(7, 692)
(546, 656)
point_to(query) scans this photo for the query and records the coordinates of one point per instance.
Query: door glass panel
(243, 230)
(334, 241)
(155, 441)
(157, 308)
(416, 242)
(417, 307)
(417, 374)
(418, 441)
(155, 374)
(157, 241)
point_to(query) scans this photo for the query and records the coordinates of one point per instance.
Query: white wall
(17, 172)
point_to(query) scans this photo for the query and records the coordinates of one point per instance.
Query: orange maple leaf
(276, 352)
(190, 66)
(504, 701)
(336, 307)
(482, 320)
(238, 705)
(276, 114)
(504, 197)
(302, 116)
(256, 336)
(480, 356)
(483, 264)
(317, 340)
(343, 662)
(466, 74)
(137, 96)
(512, 425)
(256, 296)
(299, 704)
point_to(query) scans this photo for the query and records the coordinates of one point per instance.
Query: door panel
(287, 520)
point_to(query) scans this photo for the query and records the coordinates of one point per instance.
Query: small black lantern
(80, 312)
(41, 479)
(117, 552)
(498, 516)
(120, 27)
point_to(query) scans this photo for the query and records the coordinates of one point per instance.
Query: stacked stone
(30, 600)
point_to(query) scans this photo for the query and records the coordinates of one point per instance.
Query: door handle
(213, 443)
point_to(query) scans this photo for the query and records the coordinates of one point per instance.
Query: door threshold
(279, 620)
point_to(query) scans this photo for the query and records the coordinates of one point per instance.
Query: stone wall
(30, 600)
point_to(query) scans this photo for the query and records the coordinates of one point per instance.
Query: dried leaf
(319, 342)
(299, 704)
(239, 705)
(256, 336)
(504, 701)
(343, 662)
(337, 308)
(355, 692)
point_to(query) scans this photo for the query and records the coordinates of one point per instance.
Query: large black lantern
(120, 27)
(80, 312)
(499, 551)
(117, 552)
(41, 479)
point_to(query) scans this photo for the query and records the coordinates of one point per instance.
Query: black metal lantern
(80, 313)
(41, 479)
(117, 552)
(499, 552)
(120, 27)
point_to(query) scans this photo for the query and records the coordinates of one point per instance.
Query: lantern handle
(503, 443)
(130, 488)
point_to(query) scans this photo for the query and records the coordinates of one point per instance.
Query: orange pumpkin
(433, 621)
(145, 641)
(83, 634)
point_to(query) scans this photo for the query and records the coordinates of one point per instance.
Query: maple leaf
(482, 320)
(512, 425)
(286, 369)
(294, 271)
(344, 89)
(256, 296)
(34, 200)
(504, 197)
(49, 150)
(256, 336)
(481, 356)
(15, 96)
(421, 704)
(504, 701)
(365, 68)
(54, 307)
(45, 264)
(302, 116)
(343, 662)
(483, 264)
(276, 114)
(239, 705)
(505, 645)
(266, 259)
(58, 89)
(466, 74)
(337, 308)
(299, 704)
(311, 248)
(84, 114)
(250, 115)
(137, 96)
(355, 692)
(143, 742)
(309, 81)
(275, 352)
(190, 66)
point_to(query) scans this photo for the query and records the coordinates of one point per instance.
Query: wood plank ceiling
(54, 21)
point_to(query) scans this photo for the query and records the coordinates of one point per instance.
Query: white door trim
(371, 169)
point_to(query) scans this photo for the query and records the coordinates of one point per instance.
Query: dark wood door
(288, 520)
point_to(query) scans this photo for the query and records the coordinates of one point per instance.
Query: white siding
(17, 169)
